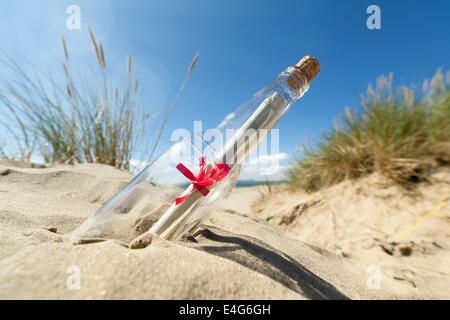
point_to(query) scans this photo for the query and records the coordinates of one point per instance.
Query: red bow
(203, 179)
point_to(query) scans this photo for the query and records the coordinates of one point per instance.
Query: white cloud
(265, 167)
(269, 159)
(137, 166)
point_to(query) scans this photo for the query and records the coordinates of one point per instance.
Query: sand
(234, 255)
(403, 232)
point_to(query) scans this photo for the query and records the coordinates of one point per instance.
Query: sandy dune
(404, 233)
(235, 255)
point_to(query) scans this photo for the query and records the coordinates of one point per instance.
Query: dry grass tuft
(92, 120)
(395, 135)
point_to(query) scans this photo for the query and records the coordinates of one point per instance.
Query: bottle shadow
(260, 257)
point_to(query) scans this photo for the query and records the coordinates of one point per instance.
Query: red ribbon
(203, 179)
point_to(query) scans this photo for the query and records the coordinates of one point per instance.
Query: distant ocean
(251, 183)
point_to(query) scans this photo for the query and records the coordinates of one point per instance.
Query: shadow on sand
(260, 257)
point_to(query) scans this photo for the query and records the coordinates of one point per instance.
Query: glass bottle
(147, 203)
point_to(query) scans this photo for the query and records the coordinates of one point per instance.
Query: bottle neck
(292, 84)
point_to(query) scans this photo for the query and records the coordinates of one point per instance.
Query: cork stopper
(309, 66)
(305, 70)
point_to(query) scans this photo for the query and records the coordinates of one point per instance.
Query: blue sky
(243, 45)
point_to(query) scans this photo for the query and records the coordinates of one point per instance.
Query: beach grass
(395, 134)
(83, 119)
